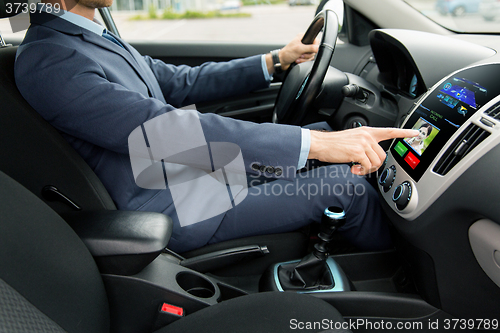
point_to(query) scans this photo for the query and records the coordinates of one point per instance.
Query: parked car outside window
(457, 7)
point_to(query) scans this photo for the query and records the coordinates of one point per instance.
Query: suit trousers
(282, 206)
(277, 206)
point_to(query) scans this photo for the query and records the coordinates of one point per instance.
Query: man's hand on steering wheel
(302, 83)
(295, 51)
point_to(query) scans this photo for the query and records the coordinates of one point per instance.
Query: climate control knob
(402, 195)
(387, 178)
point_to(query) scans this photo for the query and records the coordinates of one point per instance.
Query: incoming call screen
(442, 113)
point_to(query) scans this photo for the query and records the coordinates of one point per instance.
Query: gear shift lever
(333, 218)
(311, 272)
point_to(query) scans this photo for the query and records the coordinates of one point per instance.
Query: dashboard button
(402, 195)
(487, 122)
(401, 149)
(387, 178)
(412, 160)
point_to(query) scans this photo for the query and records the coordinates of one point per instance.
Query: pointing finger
(381, 134)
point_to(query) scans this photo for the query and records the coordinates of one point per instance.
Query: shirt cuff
(304, 148)
(264, 68)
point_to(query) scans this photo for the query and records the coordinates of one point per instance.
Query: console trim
(339, 283)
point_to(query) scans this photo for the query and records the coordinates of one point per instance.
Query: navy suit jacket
(96, 93)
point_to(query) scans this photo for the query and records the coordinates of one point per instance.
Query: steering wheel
(302, 82)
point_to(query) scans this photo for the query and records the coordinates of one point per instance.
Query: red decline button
(172, 309)
(412, 160)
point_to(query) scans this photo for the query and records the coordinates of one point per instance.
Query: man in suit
(96, 89)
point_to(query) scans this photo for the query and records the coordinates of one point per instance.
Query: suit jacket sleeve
(184, 85)
(72, 92)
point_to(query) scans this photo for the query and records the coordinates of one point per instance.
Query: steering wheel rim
(297, 94)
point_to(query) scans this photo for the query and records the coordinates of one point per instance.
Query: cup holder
(195, 285)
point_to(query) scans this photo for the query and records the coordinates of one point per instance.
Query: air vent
(471, 137)
(494, 111)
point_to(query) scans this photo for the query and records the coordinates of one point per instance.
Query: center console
(138, 302)
(149, 287)
(458, 123)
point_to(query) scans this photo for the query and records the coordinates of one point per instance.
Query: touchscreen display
(440, 115)
(427, 133)
(461, 90)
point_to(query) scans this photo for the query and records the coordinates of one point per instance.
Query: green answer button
(400, 148)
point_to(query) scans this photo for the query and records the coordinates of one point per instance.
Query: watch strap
(276, 61)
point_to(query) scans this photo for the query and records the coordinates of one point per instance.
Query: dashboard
(453, 86)
(440, 189)
(458, 123)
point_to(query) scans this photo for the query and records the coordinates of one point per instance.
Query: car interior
(72, 262)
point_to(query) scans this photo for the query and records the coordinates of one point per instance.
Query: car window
(267, 21)
(273, 21)
(462, 15)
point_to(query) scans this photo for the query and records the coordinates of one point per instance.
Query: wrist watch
(276, 61)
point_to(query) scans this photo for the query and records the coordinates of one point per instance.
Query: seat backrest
(36, 155)
(48, 279)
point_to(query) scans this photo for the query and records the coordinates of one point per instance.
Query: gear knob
(333, 218)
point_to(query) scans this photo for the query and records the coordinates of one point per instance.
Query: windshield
(462, 15)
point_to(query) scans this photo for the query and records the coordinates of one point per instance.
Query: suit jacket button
(255, 167)
(270, 169)
(278, 171)
(262, 168)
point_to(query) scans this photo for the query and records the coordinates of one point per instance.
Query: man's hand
(358, 145)
(294, 51)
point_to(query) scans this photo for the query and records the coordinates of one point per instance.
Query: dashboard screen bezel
(448, 120)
